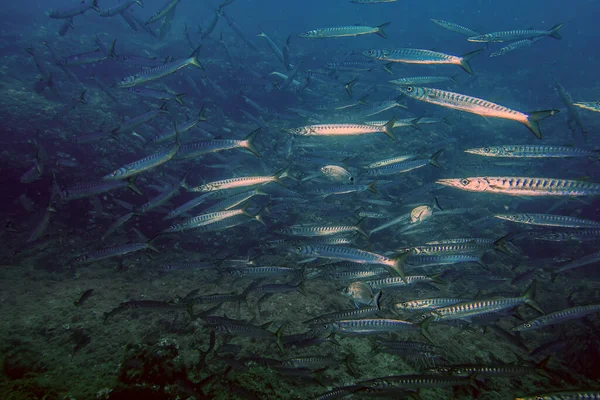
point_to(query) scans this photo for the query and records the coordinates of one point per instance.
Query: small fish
(112, 11)
(113, 251)
(532, 151)
(158, 72)
(589, 105)
(558, 317)
(337, 173)
(235, 183)
(345, 31)
(509, 36)
(361, 294)
(562, 221)
(582, 394)
(162, 12)
(451, 26)
(345, 129)
(514, 46)
(84, 297)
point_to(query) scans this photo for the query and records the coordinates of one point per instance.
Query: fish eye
(325, 326)
(351, 179)
(464, 181)
(299, 248)
(527, 325)
(598, 104)
(486, 149)
(409, 89)
(172, 227)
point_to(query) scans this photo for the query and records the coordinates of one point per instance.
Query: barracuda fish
(119, 222)
(412, 122)
(481, 241)
(549, 220)
(114, 251)
(196, 149)
(405, 166)
(470, 309)
(523, 186)
(426, 260)
(331, 190)
(340, 105)
(130, 124)
(206, 219)
(186, 266)
(158, 72)
(354, 255)
(532, 151)
(392, 160)
(477, 106)
(558, 317)
(345, 129)
(451, 26)
(182, 127)
(146, 163)
(354, 313)
(112, 11)
(578, 235)
(515, 45)
(396, 281)
(458, 248)
(234, 201)
(191, 204)
(419, 56)
(157, 94)
(96, 188)
(509, 36)
(368, 326)
(263, 272)
(422, 80)
(89, 57)
(211, 26)
(428, 304)
(371, 109)
(42, 225)
(564, 395)
(351, 65)
(236, 183)
(580, 262)
(344, 31)
(274, 48)
(503, 370)
(415, 382)
(317, 230)
(161, 198)
(162, 12)
(75, 10)
(589, 105)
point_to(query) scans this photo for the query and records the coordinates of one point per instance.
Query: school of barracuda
(364, 250)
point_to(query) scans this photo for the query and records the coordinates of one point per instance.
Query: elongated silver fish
(368, 326)
(523, 186)
(558, 317)
(345, 129)
(234, 200)
(112, 11)
(509, 36)
(391, 160)
(477, 106)
(577, 235)
(422, 80)
(345, 31)
(330, 190)
(580, 262)
(96, 188)
(235, 183)
(514, 46)
(321, 230)
(564, 395)
(420, 56)
(162, 12)
(589, 105)
(196, 149)
(113, 251)
(195, 202)
(158, 72)
(119, 222)
(206, 219)
(563, 221)
(451, 26)
(531, 151)
(428, 304)
(146, 163)
(75, 10)
(404, 166)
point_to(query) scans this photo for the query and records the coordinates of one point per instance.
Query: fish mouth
(472, 151)
(445, 182)
(476, 39)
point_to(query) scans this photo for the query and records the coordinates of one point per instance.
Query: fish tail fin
(151, 247)
(111, 51)
(453, 79)
(433, 160)
(259, 216)
(500, 245)
(248, 142)
(133, 187)
(464, 60)
(446, 120)
(424, 329)
(196, 62)
(415, 123)
(95, 6)
(278, 336)
(163, 107)
(388, 128)
(534, 118)
(349, 85)
(371, 187)
(377, 300)
(281, 174)
(82, 97)
(178, 97)
(196, 50)
(436, 204)
(398, 266)
(554, 31)
(388, 68)
(141, 4)
(380, 30)
(360, 228)
(202, 114)
(529, 296)
(363, 100)
(436, 279)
